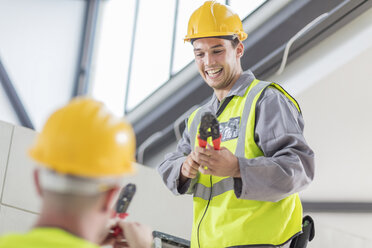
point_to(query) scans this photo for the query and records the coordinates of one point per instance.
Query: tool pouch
(308, 233)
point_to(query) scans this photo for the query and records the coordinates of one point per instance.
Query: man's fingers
(206, 151)
(202, 152)
(193, 157)
(194, 166)
(193, 169)
(201, 158)
(199, 149)
(191, 163)
(136, 234)
(189, 168)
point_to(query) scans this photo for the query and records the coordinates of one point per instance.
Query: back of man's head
(83, 139)
(83, 152)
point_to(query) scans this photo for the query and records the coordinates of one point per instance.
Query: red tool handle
(116, 229)
(216, 143)
(202, 143)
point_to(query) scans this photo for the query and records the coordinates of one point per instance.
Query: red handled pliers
(209, 126)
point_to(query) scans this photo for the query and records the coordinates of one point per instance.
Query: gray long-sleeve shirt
(287, 166)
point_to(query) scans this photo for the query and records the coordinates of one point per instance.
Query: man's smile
(213, 73)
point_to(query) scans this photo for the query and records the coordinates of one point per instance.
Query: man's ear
(240, 50)
(37, 182)
(110, 196)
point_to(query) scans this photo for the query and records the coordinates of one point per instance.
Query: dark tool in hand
(209, 126)
(122, 204)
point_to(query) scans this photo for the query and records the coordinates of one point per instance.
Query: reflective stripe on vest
(240, 147)
(222, 220)
(219, 188)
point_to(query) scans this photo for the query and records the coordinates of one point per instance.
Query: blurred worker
(245, 194)
(83, 152)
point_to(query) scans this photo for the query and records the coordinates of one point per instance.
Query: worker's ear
(37, 182)
(240, 50)
(109, 198)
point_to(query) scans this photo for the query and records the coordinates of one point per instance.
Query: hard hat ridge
(84, 139)
(213, 19)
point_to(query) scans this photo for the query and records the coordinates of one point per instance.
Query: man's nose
(208, 59)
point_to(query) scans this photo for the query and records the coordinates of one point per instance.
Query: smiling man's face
(218, 61)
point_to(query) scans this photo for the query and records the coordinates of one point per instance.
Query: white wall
(39, 45)
(19, 202)
(333, 84)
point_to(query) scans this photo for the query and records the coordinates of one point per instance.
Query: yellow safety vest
(220, 218)
(44, 238)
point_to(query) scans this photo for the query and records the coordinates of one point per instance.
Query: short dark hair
(233, 38)
(235, 42)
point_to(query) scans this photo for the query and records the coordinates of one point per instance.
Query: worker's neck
(223, 92)
(77, 226)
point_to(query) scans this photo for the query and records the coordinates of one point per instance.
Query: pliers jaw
(209, 126)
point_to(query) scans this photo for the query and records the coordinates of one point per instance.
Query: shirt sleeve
(170, 168)
(287, 166)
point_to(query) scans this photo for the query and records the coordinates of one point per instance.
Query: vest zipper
(205, 211)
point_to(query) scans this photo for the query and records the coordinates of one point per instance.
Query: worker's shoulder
(277, 96)
(44, 237)
(271, 91)
(12, 240)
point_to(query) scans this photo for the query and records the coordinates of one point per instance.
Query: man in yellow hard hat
(245, 194)
(82, 152)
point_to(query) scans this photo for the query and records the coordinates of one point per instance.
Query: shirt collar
(241, 85)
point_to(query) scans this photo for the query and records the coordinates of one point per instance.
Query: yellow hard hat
(213, 19)
(84, 139)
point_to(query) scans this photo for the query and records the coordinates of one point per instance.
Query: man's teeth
(211, 72)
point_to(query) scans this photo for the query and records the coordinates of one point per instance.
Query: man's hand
(189, 169)
(106, 237)
(133, 235)
(137, 235)
(220, 163)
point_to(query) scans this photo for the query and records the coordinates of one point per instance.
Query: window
(152, 49)
(140, 64)
(244, 8)
(111, 63)
(183, 51)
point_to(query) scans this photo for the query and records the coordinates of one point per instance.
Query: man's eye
(199, 54)
(217, 51)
